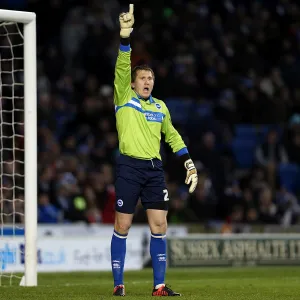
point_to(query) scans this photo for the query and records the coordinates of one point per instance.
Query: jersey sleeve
(172, 137)
(122, 80)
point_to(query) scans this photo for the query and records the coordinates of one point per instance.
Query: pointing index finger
(131, 8)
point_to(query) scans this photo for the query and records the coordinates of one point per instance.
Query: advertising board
(68, 254)
(236, 249)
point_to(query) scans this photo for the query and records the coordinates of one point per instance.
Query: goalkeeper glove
(126, 22)
(191, 175)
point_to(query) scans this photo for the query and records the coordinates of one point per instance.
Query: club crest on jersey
(158, 106)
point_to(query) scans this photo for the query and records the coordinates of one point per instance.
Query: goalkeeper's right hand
(126, 22)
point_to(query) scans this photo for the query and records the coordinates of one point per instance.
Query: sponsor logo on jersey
(154, 116)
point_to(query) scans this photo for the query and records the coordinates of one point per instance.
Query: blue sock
(118, 251)
(158, 249)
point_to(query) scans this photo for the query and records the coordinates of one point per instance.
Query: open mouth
(146, 89)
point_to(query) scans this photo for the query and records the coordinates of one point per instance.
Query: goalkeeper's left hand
(191, 175)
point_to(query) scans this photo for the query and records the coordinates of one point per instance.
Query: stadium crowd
(233, 62)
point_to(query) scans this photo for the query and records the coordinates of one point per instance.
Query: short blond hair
(140, 68)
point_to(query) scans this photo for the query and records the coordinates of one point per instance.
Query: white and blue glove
(191, 175)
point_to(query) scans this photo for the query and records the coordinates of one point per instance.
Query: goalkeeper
(140, 120)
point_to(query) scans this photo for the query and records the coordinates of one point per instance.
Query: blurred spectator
(271, 153)
(47, 212)
(179, 212)
(210, 156)
(293, 148)
(288, 206)
(203, 202)
(268, 211)
(250, 210)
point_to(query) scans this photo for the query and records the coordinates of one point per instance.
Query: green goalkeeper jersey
(140, 122)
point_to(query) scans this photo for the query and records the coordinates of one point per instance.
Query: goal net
(17, 149)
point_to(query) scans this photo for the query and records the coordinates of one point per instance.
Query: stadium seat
(289, 176)
(243, 150)
(245, 130)
(204, 110)
(179, 109)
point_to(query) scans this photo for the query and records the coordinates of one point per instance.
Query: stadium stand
(230, 77)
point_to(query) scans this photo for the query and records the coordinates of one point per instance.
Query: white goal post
(28, 19)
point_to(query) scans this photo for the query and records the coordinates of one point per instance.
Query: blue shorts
(144, 179)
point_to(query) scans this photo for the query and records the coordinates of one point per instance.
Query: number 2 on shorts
(166, 197)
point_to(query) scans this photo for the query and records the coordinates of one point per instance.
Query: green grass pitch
(249, 283)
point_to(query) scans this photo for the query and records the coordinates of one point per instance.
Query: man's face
(272, 137)
(143, 84)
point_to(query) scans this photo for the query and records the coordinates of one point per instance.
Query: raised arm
(122, 80)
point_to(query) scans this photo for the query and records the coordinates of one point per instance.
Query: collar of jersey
(150, 98)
